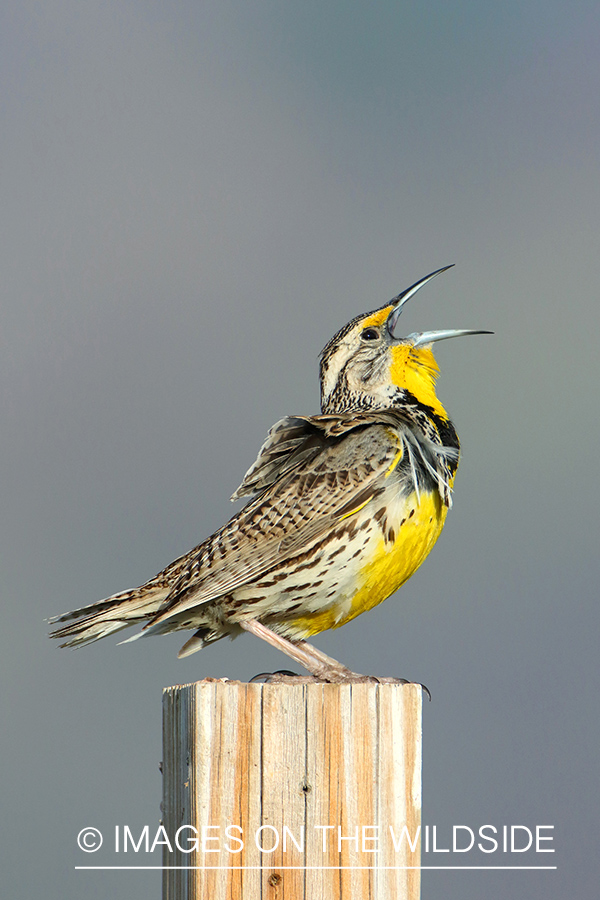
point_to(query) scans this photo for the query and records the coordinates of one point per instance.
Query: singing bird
(344, 507)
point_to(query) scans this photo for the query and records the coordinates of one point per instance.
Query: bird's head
(365, 366)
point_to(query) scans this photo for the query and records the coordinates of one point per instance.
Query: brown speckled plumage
(327, 492)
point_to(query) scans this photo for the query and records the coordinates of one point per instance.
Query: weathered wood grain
(316, 780)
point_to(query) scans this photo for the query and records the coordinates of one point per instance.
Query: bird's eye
(370, 334)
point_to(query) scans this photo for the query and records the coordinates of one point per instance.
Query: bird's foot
(285, 676)
(323, 669)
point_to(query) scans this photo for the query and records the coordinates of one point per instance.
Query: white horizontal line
(318, 868)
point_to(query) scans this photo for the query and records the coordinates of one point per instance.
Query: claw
(425, 690)
(267, 676)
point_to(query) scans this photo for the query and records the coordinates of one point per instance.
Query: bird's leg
(321, 666)
(321, 658)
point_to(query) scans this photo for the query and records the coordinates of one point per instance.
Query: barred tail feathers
(98, 620)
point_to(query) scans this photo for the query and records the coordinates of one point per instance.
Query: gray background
(194, 197)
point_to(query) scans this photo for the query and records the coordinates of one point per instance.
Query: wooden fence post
(285, 792)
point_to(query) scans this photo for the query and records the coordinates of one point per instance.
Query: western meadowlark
(345, 506)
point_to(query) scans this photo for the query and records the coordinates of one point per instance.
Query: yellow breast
(386, 564)
(391, 566)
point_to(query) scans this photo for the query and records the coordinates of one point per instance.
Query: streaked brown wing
(295, 439)
(289, 442)
(338, 476)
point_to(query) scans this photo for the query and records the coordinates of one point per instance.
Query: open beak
(402, 299)
(425, 337)
(430, 337)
